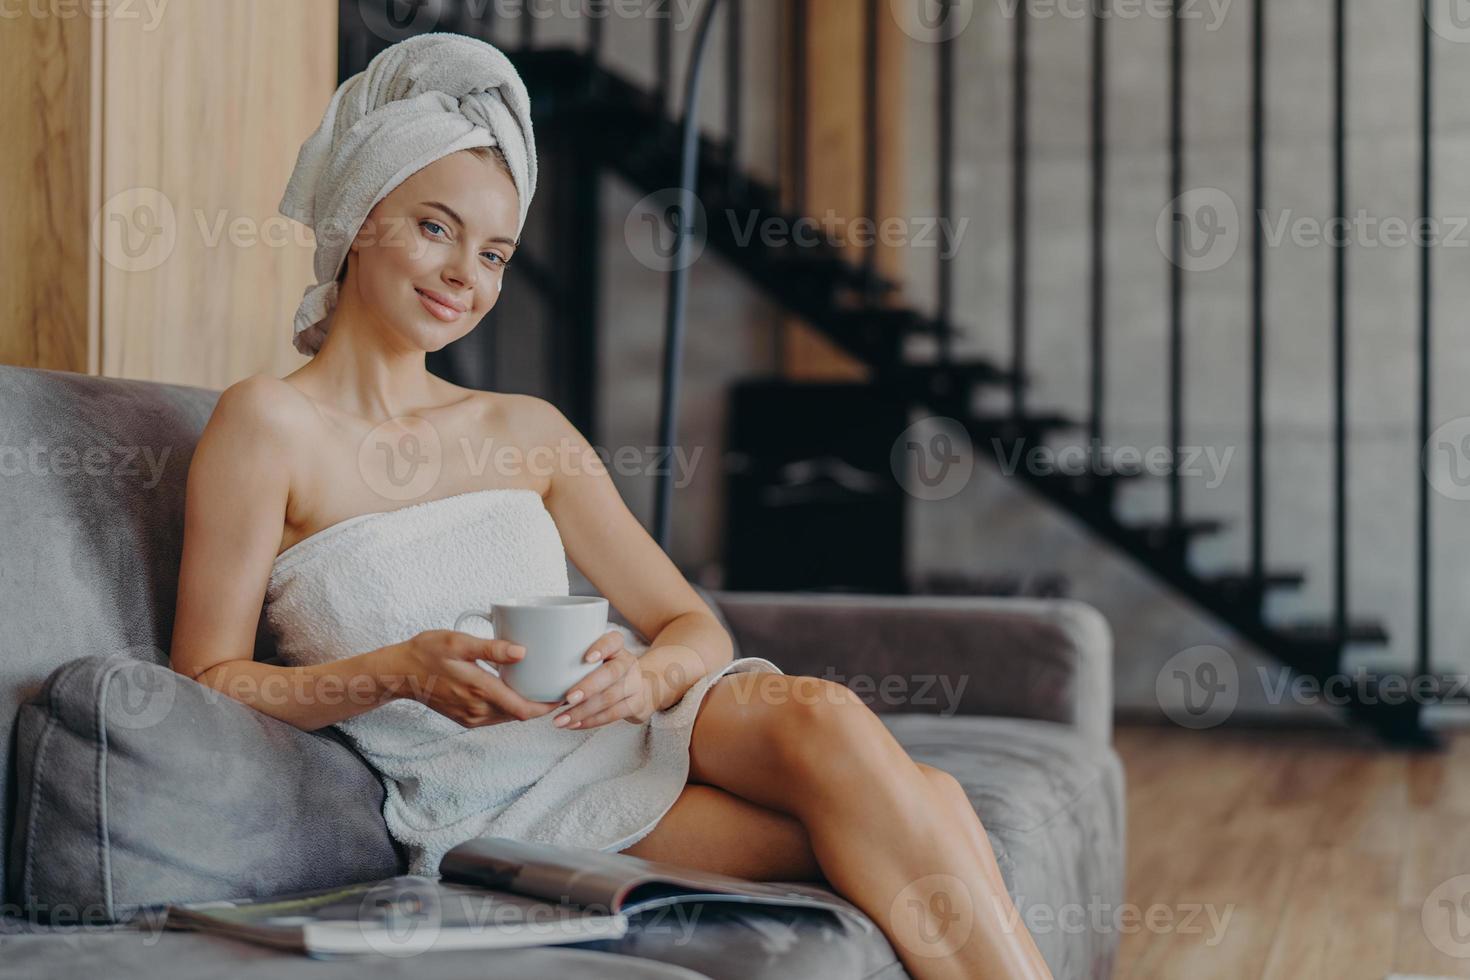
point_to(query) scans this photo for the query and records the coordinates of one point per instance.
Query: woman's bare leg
(704, 826)
(882, 832)
(713, 830)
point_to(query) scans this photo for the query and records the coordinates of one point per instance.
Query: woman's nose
(455, 274)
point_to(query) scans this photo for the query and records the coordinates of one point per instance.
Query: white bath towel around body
(380, 578)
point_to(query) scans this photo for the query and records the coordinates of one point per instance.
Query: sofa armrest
(1048, 659)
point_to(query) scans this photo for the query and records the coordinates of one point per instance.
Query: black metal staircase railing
(629, 130)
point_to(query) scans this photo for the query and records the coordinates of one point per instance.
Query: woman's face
(431, 255)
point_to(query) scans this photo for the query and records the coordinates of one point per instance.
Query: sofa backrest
(92, 476)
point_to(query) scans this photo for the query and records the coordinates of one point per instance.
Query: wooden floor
(1320, 847)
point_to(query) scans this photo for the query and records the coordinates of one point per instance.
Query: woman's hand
(437, 668)
(617, 689)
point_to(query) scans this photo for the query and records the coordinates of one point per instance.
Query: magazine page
(397, 917)
(618, 883)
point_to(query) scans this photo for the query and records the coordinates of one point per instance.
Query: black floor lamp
(679, 279)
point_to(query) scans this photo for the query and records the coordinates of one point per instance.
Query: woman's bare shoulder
(263, 409)
(263, 398)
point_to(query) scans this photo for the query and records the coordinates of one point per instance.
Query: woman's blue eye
(427, 222)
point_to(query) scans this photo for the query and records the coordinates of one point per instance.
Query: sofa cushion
(92, 476)
(138, 786)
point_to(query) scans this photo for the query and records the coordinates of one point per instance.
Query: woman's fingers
(502, 651)
(605, 648)
(621, 685)
(500, 698)
(599, 680)
(609, 714)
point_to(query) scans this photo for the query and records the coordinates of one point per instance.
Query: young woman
(353, 501)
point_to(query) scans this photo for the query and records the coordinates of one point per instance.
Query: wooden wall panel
(145, 154)
(45, 198)
(836, 62)
(203, 116)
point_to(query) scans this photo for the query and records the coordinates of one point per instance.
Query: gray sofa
(113, 804)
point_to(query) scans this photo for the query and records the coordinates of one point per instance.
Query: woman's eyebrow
(460, 221)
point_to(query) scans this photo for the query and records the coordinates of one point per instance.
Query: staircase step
(1316, 648)
(876, 335)
(1175, 538)
(1244, 582)
(1243, 588)
(902, 322)
(955, 379)
(1324, 633)
(824, 267)
(1032, 428)
(1244, 591)
(1098, 490)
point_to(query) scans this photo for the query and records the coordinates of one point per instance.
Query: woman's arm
(610, 547)
(674, 661)
(235, 508)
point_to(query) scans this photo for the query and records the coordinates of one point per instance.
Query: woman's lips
(446, 313)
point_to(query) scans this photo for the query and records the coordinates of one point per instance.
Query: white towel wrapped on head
(416, 102)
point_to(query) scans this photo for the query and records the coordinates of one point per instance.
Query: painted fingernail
(560, 721)
(574, 697)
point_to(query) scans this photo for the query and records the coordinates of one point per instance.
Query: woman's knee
(823, 725)
(948, 787)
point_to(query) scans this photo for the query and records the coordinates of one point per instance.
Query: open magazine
(492, 892)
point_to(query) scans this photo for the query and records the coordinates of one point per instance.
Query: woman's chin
(432, 335)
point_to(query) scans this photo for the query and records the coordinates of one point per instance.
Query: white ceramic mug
(556, 631)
